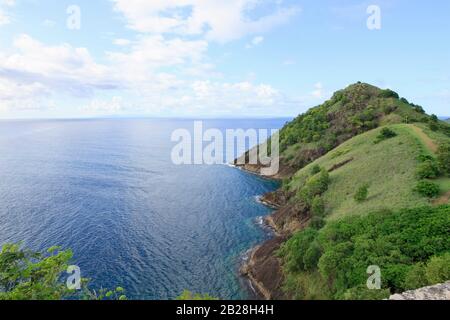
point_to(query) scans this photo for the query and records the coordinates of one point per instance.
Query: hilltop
(365, 153)
(354, 110)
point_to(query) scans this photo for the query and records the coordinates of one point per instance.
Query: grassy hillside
(388, 168)
(364, 164)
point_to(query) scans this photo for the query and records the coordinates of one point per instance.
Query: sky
(216, 58)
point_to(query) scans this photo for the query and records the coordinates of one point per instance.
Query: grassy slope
(388, 167)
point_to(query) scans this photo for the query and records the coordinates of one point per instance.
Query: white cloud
(255, 42)
(220, 21)
(318, 90)
(34, 72)
(5, 17)
(115, 105)
(122, 42)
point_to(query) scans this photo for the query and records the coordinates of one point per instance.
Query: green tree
(30, 275)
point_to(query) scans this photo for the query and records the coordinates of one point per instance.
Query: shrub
(443, 157)
(389, 94)
(428, 169)
(362, 193)
(416, 277)
(385, 134)
(315, 169)
(312, 256)
(317, 223)
(404, 100)
(293, 251)
(427, 189)
(438, 269)
(315, 185)
(318, 206)
(363, 293)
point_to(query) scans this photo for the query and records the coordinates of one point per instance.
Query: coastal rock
(289, 218)
(436, 292)
(276, 199)
(264, 270)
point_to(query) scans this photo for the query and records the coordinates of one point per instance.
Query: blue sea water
(107, 189)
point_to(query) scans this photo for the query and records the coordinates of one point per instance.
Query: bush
(427, 189)
(312, 256)
(318, 206)
(443, 157)
(363, 293)
(389, 94)
(416, 277)
(428, 169)
(293, 251)
(317, 223)
(362, 193)
(385, 134)
(315, 169)
(438, 269)
(315, 186)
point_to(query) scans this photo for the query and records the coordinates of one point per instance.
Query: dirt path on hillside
(425, 138)
(444, 199)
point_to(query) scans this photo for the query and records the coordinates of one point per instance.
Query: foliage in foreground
(411, 247)
(188, 295)
(30, 275)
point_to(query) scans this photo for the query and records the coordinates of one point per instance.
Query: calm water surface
(107, 190)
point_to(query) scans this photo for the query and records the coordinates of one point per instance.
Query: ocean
(107, 189)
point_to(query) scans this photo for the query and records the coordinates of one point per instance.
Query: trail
(429, 143)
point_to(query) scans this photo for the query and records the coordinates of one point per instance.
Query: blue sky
(211, 58)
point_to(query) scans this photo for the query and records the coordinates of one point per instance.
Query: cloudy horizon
(200, 58)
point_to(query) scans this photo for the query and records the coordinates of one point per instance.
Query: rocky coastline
(263, 268)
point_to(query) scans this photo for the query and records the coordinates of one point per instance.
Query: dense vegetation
(411, 246)
(30, 275)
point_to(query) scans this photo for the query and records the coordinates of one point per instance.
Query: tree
(30, 275)
(362, 193)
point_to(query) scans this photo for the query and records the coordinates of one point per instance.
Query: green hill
(362, 154)
(352, 111)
